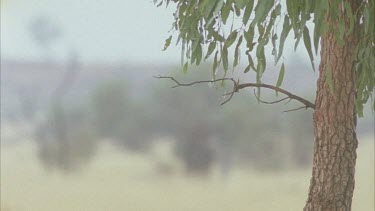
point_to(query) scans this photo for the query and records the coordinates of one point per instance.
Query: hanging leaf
(281, 76)
(247, 69)
(211, 48)
(261, 11)
(214, 66)
(224, 56)
(198, 54)
(237, 52)
(284, 34)
(247, 13)
(226, 10)
(241, 3)
(231, 38)
(185, 69)
(307, 41)
(167, 43)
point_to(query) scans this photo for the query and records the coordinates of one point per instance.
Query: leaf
(340, 33)
(214, 66)
(251, 62)
(167, 43)
(224, 56)
(182, 52)
(283, 36)
(307, 41)
(218, 6)
(247, 69)
(237, 52)
(185, 69)
(274, 50)
(226, 10)
(261, 11)
(247, 13)
(249, 35)
(198, 54)
(241, 3)
(231, 38)
(320, 24)
(281, 76)
(208, 6)
(211, 48)
(352, 18)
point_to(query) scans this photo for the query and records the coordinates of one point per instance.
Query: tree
(343, 30)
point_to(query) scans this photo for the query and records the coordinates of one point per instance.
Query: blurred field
(118, 181)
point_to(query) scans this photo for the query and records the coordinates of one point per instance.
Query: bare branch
(273, 102)
(237, 87)
(295, 109)
(307, 103)
(193, 83)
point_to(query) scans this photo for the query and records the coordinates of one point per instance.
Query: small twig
(273, 102)
(307, 103)
(204, 81)
(288, 101)
(237, 87)
(295, 109)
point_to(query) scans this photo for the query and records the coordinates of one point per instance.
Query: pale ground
(116, 181)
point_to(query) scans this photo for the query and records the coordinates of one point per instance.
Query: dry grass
(115, 181)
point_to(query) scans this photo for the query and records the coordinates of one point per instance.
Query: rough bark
(332, 183)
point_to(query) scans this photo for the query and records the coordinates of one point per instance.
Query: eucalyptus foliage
(219, 29)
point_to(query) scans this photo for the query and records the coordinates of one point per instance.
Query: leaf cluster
(222, 28)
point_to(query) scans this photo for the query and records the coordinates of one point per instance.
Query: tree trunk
(332, 182)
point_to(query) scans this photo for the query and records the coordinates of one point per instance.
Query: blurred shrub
(242, 132)
(65, 139)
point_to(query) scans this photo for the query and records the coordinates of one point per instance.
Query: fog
(85, 125)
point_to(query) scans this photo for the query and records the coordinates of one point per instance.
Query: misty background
(86, 126)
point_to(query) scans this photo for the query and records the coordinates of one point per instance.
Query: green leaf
(241, 3)
(224, 56)
(198, 52)
(211, 48)
(283, 36)
(167, 43)
(249, 36)
(208, 6)
(226, 10)
(281, 76)
(185, 69)
(307, 41)
(247, 13)
(247, 69)
(261, 11)
(214, 66)
(251, 62)
(237, 52)
(182, 52)
(351, 16)
(218, 6)
(319, 23)
(340, 33)
(231, 38)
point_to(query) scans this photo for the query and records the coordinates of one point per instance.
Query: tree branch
(307, 103)
(296, 109)
(237, 86)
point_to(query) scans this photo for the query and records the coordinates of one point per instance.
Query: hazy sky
(100, 30)
(116, 31)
